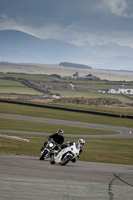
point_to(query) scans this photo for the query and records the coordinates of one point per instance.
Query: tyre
(73, 160)
(66, 160)
(44, 155)
(52, 161)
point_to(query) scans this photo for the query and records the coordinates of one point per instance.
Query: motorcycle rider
(68, 152)
(57, 137)
(81, 143)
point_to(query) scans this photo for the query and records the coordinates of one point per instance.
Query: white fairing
(73, 150)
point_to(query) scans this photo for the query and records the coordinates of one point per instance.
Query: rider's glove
(49, 138)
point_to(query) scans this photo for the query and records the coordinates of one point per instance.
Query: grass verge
(24, 125)
(64, 115)
(96, 150)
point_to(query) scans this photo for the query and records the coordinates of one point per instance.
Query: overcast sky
(74, 21)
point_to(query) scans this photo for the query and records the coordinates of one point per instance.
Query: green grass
(19, 90)
(5, 83)
(109, 151)
(97, 85)
(118, 151)
(96, 150)
(24, 125)
(26, 76)
(10, 86)
(103, 84)
(106, 109)
(64, 115)
(93, 84)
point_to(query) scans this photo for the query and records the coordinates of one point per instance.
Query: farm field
(47, 69)
(12, 86)
(92, 95)
(96, 150)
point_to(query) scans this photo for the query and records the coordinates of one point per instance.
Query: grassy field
(64, 115)
(91, 95)
(24, 125)
(96, 150)
(26, 76)
(9, 83)
(108, 109)
(32, 68)
(12, 86)
(9, 86)
(19, 90)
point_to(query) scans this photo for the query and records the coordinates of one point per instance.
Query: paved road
(28, 178)
(122, 131)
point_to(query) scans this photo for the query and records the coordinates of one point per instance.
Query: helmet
(60, 131)
(81, 142)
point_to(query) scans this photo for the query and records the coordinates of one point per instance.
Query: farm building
(123, 90)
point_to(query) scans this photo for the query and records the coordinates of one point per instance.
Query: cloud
(90, 23)
(117, 7)
(70, 34)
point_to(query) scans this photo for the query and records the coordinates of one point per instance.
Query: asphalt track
(27, 178)
(122, 131)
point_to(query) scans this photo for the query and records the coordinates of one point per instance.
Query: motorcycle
(69, 153)
(47, 150)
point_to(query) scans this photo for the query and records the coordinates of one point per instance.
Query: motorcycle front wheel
(43, 156)
(66, 160)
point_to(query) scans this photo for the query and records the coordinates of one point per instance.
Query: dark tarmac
(29, 178)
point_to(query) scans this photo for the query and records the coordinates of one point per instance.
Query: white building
(123, 90)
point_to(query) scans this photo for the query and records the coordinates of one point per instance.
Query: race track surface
(28, 178)
(122, 131)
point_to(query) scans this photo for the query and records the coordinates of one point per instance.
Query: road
(28, 178)
(122, 131)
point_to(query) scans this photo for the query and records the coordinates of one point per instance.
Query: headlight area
(51, 145)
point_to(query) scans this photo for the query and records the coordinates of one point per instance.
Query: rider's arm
(62, 141)
(50, 136)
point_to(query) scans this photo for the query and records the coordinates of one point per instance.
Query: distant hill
(20, 47)
(47, 69)
(68, 64)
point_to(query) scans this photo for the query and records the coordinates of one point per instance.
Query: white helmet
(81, 142)
(60, 131)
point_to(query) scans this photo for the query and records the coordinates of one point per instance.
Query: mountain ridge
(20, 47)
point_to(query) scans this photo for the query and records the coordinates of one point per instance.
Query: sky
(77, 22)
